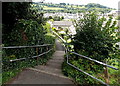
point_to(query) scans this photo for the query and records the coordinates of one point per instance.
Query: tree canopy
(96, 39)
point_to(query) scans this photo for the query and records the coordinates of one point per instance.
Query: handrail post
(106, 75)
(37, 55)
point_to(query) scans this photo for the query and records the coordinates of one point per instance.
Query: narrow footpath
(50, 73)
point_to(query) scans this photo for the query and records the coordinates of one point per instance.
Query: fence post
(106, 75)
(37, 55)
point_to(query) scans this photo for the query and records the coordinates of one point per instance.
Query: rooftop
(62, 23)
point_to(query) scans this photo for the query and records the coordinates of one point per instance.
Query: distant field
(82, 7)
(57, 8)
(52, 8)
(74, 6)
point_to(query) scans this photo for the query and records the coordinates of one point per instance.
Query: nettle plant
(96, 37)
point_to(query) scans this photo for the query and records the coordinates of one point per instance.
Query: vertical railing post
(106, 75)
(37, 55)
(66, 51)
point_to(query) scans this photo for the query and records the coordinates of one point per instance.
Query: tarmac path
(50, 73)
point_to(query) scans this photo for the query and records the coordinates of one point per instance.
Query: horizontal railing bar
(41, 54)
(59, 37)
(17, 59)
(87, 74)
(93, 60)
(31, 57)
(11, 47)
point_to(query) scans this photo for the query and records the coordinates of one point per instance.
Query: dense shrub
(118, 17)
(49, 39)
(95, 38)
(26, 30)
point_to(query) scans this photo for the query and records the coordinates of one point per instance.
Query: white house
(65, 24)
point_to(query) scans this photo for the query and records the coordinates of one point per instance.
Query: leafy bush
(49, 39)
(47, 27)
(58, 18)
(26, 30)
(118, 18)
(79, 77)
(95, 38)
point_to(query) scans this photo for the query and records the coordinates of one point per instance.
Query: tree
(13, 12)
(90, 5)
(62, 3)
(62, 17)
(95, 40)
(50, 17)
(58, 18)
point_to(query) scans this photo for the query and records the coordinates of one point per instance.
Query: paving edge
(53, 75)
(49, 73)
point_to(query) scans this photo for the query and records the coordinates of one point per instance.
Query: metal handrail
(59, 37)
(35, 46)
(93, 60)
(31, 57)
(11, 47)
(66, 51)
(87, 74)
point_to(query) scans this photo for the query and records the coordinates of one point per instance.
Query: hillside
(70, 8)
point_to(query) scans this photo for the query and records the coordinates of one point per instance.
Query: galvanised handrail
(93, 60)
(11, 47)
(35, 46)
(31, 57)
(67, 50)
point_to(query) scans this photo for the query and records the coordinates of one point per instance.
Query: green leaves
(23, 27)
(93, 36)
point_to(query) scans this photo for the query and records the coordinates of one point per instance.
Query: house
(64, 24)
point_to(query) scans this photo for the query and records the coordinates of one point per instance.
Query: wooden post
(106, 75)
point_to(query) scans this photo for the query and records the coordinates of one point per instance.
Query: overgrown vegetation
(118, 18)
(23, 26)
(95, 38)
(56, 18)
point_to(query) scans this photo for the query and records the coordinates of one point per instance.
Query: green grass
(10, 74)
(53, 8)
